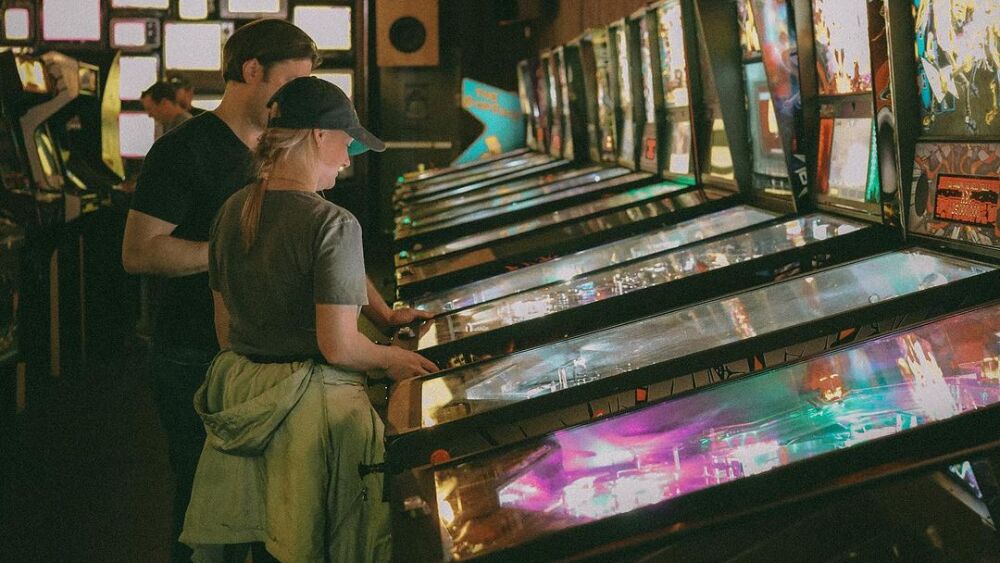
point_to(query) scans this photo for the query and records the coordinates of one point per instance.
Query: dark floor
(87, 476)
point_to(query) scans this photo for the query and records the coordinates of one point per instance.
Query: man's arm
(384, 317)
(149, 248)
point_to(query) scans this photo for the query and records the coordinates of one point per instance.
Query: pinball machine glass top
(722, 433)
(536, 372)
(328, 26)
(71, 20)
(958, 68)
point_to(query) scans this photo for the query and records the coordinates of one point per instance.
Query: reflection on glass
(843, 62)
(453, 199)
(720, 159)
(569, 267)
(607, 353)
(656, 269)
(445, 220)
(561, 216)
(466, 178)
(864, 392)
(672, 55)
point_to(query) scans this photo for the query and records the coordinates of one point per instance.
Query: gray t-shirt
(307, 252)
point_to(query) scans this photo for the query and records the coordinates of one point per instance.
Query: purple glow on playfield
(724, 433)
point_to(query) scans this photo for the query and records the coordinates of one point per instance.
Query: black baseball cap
(312, 103)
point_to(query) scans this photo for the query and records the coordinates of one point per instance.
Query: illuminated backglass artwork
(958, 67)
(967, 199)
(749, 40)
(724, 433)
(955, 192)
(768, 154)
(672, 55)
(843, 61)
(850, 166)
(679, 157)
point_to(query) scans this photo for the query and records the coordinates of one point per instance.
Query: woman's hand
(402, 364)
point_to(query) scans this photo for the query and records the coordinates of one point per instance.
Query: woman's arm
(384, 317)
(343, 346)
(221, 320)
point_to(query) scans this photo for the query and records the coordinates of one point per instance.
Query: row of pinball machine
(59, 165)
(739, 288)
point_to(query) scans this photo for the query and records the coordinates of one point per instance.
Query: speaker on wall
(407, 32)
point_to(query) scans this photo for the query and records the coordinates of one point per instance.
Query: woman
(290, 427)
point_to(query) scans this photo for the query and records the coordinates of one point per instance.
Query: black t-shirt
(185, 179)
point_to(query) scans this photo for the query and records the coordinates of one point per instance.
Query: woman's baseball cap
(312, 103)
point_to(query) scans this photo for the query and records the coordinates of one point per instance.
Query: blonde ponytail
(275, 145)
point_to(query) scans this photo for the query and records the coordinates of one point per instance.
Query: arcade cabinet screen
(958, 67)
(843, 62)
(48, 155)
(16, 24)
(768, 153)
(343, 79)
(135, 34)
(147, 4)
(329, 26)
(137, 74)
(850, 160)
(90, 79)
(252, 8)
(32, 74)
(192, 9)
(967, 199)
(721, 434)
(137, 132)
(672, 56)
(749, 40)
(193, 46)
(71, 20)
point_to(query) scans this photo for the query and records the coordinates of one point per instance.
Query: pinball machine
(929, 364)
(484, 403)
(453, 209)
(592, 61)
(714, 253)
(905, 403)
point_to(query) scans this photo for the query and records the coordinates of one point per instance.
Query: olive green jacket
(280, 464)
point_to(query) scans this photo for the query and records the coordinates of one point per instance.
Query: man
(185, 93)
(159, 102)
(185, 178)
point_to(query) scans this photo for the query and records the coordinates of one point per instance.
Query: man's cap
(312, 103)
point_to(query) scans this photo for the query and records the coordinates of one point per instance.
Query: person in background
(185, 93)
(185, 178)
(290, 427)
(159, 102)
